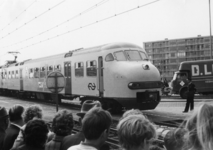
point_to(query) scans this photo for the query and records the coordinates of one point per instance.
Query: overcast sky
(38, 28)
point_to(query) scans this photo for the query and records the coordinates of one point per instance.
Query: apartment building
(167, 54)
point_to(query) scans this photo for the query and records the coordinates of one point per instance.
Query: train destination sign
(55, 82)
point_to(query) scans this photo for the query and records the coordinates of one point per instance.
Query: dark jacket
(72, 140)
(2, 135)
(25, 147)
(191, 90)
(10, 136)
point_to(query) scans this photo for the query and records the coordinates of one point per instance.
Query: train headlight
(145, 67)
(134, 85)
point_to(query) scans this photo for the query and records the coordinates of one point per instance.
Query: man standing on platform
(190, 97)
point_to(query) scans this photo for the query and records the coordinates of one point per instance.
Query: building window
(172, 54)
(181, 54)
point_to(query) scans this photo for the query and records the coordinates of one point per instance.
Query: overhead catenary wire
(60, 24)
(87, 25)
(26, 23)
(18, 16)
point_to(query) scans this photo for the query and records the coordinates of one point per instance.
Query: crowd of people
(24, 129)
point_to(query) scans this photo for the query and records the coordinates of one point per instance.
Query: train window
(17, 75)
(144, 56)
(79, 69)
(91, 68)
(57, 67)
(36, 72)
(50, 69)
(9, 75)
(109, 57)
(133, 55)
(119, 56)
(5, 75)
(31, 74)
(43, 72)
(13, 75)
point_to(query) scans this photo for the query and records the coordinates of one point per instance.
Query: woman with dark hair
(62, 126)
(35, 135)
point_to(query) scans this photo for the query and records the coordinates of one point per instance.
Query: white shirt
(82, 146)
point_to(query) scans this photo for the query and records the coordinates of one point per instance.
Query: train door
(21, 79)
(67, 74)
(100, 76)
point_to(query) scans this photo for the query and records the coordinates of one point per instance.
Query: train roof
(196, 61)
(103, 47)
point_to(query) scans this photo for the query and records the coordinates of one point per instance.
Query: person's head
(200, 128)
(132, 112)
(15, 113)
(96, 124)
(33, 111)
(4, 120)
(35, 133)
(86, 106)
(135, 131)
(63, 123)
(174, 139)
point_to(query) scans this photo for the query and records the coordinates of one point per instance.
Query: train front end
(131, 79)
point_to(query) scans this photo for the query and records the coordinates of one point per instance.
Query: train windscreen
(119, 56)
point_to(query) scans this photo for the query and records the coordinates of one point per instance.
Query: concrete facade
(167, 54)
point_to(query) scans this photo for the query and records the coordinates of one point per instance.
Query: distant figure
(95, 127)
(4, 122)
(135, 132)
(174, 139)
(62, 126)
(35, 135)
(199, 126)
(190, 97)
(16, 122)
(32, 112)
(77, 138)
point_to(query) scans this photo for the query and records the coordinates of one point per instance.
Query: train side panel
(84, 81)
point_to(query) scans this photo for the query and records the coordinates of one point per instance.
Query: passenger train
(119, 75)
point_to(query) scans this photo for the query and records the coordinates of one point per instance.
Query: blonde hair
(134, 131)
(200, 128)
(132, 112)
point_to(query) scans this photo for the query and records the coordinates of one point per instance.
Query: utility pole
(210, 29)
